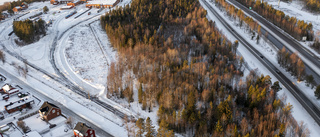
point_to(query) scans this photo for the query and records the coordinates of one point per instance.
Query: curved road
(296, 92)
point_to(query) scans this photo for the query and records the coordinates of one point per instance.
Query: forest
(313, 5)
(191, 71)
(294, 27)
(29, 31)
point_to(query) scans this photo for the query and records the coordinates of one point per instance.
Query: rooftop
(81, 128)
(20, 102)
(33, 134)
(102, 2)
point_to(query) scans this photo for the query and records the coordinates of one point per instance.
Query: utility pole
(279, 4)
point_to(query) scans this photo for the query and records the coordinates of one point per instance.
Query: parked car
(89, 13)
(52, 125)
(1, 116)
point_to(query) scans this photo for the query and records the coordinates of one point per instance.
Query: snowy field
(269, 51)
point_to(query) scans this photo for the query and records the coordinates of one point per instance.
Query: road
(296, 92)
(61, 78)
(280, 39)
(64, 110)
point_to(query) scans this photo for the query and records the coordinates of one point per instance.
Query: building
(54, 2)
(2, 17)
(24, 5)
(24, 102)
(33, 134)
(102, 3)
(17, 9)
(83, 130)
(49, 111)
(9, 90)
(66, 7)
(74, 3)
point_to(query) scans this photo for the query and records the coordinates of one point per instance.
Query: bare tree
(23, 126)
(70, 122)
(2, 57)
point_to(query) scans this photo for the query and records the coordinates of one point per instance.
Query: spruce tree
(141, 126)
(149, 128)
(317, 92)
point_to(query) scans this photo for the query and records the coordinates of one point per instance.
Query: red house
(22, 103)
(49, 111)
(83, 130)
(8, 91)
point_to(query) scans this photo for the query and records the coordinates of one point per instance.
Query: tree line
(294, 27)
(191, 71)
(29, 31)
(312, 5)
(292, 63)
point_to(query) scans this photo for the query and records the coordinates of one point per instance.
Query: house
(83, 130)
(66, 7)
(55, 2)
(9, 90)
(24, 5)
(33, 134)
(102, 3)
(49, 111)
(22, 103)
(17, 9)
(74, 3)
(2, 17)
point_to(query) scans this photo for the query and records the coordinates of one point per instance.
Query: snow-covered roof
(17, 7)
(6, 87)
(20, 102)
(102, 2)
(33, 134)
(66, 7)
(63, 0)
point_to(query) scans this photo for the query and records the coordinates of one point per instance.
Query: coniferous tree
(140, 124)
(45, 9)
(149, 128)
(317, 92)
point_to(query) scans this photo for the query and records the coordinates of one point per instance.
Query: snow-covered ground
(38, 54)
(269, 52)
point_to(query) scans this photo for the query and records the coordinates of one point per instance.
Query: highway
(280, 39)
(64, 109)
(296, 92)
(61, 78)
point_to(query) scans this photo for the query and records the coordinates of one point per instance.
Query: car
(278, 71)
(52, 125)
(89, 13)
(5, 97)
(261, 56)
